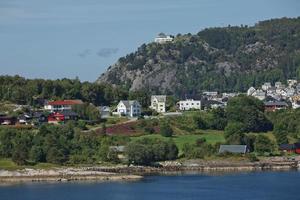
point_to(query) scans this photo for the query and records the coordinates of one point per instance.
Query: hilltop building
(163, 38)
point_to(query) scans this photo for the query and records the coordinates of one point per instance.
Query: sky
(54, 39)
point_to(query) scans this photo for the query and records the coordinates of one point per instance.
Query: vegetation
(230, 58)
(145, 151)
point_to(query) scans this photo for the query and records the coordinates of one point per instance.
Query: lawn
(8, 164)
(211, 137)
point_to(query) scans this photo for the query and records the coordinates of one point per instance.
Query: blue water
(259, 185)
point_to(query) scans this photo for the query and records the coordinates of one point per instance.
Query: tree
(280, 132)
(166, 130)
(263, 144)
(233, 128)
(36, 154)
(248, 111)
(56, 155)
(139, 154)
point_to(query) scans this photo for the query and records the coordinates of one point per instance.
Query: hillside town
(275, 97)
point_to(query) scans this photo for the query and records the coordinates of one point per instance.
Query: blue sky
(69, 38)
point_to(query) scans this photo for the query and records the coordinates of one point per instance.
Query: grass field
(211, 137)
(8, 164)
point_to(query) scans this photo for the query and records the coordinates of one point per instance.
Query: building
(129, 108)
(163, 38)
(62, 116)
(291, 148)
(266, 86)
(158, 103)
(250, 91)
(241, 149)
(292, 82)
(189, 104)
(61, 105)
(104, 111)
(275, 105)
(25, 118)
(259, 94)
(279, 85)
(7, 120)
(287, 148)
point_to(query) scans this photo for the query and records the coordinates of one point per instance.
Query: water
(258, 185)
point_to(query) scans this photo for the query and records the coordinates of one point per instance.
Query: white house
(163, 38)
(250, 91)
(259, 94)
(189, 104)
(158, 103)
(129, 108)
(266, 86)
(61, 105)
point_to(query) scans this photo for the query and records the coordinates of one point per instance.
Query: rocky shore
(63, 174)
(129, 173)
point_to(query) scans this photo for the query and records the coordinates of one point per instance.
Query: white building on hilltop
(189, 104)
(158, 103)
(129, 108)
(163, 38)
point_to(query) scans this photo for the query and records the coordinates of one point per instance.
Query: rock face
(223, 59)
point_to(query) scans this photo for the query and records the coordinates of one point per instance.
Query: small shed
(239, 149)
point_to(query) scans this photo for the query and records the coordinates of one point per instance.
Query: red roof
(65, 102)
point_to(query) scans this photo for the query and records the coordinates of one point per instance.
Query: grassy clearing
(8, 164)
(212, 137)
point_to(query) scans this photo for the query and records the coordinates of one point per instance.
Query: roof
(117, 148)
(287, 146)
(65, 102)
(160, 98)
(275, 103)
(162, 35)
(129, 103)
(233, 148)
(297, 145)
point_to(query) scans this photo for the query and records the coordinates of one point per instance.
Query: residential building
(250, 91)
(277, 105)
(189, 104)
(61, 105)
(129, 108)
(240, 149)
(291, 148)
(292, 82)
(158, 103)
(279, 85)
(104, 111)
(259, 94)
(62, 116)
(7, 120)
(266, 86)
(163, 38)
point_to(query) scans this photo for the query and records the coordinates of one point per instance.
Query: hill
(224, 59)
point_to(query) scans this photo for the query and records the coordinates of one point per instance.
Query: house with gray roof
(241, 149)
(129, 108)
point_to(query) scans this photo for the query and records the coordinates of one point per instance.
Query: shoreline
(135, 173)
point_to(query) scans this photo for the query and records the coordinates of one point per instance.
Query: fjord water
(254, 185)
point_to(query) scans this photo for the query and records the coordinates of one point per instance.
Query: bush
(166, 130)
(147, 151)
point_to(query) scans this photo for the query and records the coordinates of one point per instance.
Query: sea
(192, 186)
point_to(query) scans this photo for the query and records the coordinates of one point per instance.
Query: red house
(297, 148)
(291, 148)
(62, 116)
